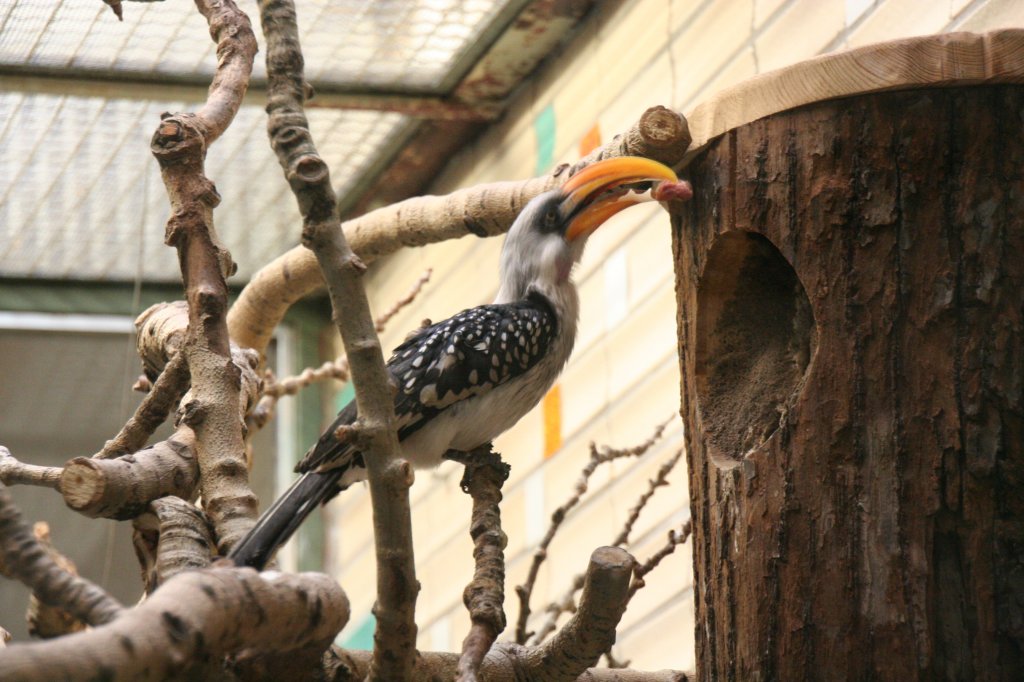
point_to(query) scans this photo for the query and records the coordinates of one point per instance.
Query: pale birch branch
(484, 210)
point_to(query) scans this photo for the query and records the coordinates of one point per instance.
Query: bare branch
(175, 537)
(211, 408)
(565, 604)
(598, 456)
(674, 540)
(338, 369)
(410, 296)
(24, 558)
(160, 334)
(193, 620)
(502, 664)
(660, 479)
(122, 488)
(46, 621)
(162, 398)
(15, 472)
(591, 630)
(389, 477)
(484, 596)
(484, 210)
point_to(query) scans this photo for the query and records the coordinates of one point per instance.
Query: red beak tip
(680, 190)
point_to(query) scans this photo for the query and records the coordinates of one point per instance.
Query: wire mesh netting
(400, 44)
(80, 193)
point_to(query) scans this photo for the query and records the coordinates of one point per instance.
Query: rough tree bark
(851, 295)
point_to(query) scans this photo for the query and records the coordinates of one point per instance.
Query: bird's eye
(551, 218)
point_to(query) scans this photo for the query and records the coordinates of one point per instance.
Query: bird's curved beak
(602, 189)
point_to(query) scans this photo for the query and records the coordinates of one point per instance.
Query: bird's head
(547, 238)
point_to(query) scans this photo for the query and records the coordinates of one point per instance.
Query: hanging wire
(129, 355)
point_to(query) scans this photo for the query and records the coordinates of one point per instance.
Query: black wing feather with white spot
(466, 355)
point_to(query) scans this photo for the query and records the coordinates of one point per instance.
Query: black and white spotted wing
(466, 355)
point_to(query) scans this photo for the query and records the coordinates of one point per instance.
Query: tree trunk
(850, 278)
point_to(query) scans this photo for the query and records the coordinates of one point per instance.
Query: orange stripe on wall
(591, 140)
(552, 406)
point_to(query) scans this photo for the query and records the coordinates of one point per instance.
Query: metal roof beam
(110, 85)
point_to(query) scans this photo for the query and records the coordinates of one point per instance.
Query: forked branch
(211, 408)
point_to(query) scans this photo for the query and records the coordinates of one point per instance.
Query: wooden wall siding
(623, 378)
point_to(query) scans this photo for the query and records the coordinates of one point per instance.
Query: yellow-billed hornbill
(465, 380)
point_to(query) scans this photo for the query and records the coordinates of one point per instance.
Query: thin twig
(389, 477)
(660, 479)
(24, 558)
(598, 456)
(16, 472)
(674, 540)
(162, 398)
(274, 389)
(410, 296)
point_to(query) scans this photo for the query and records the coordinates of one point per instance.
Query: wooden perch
(24, 558)
(500, 665)
(161, 400)
(122, 488)
(389, 477)
(598, 456)
(564, 658)
(484, 596)
(484, 210)
(175, 537)
(211, 408)
(15, 472)
(194, 620)
(591, 630)
(45, 621)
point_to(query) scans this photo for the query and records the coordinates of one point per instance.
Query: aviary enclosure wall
(851, 288)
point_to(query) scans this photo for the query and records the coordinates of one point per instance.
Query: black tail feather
(282, 519)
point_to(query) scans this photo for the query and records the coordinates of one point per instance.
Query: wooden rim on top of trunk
(942, 60)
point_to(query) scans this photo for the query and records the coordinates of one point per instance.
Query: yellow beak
(598, 191)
